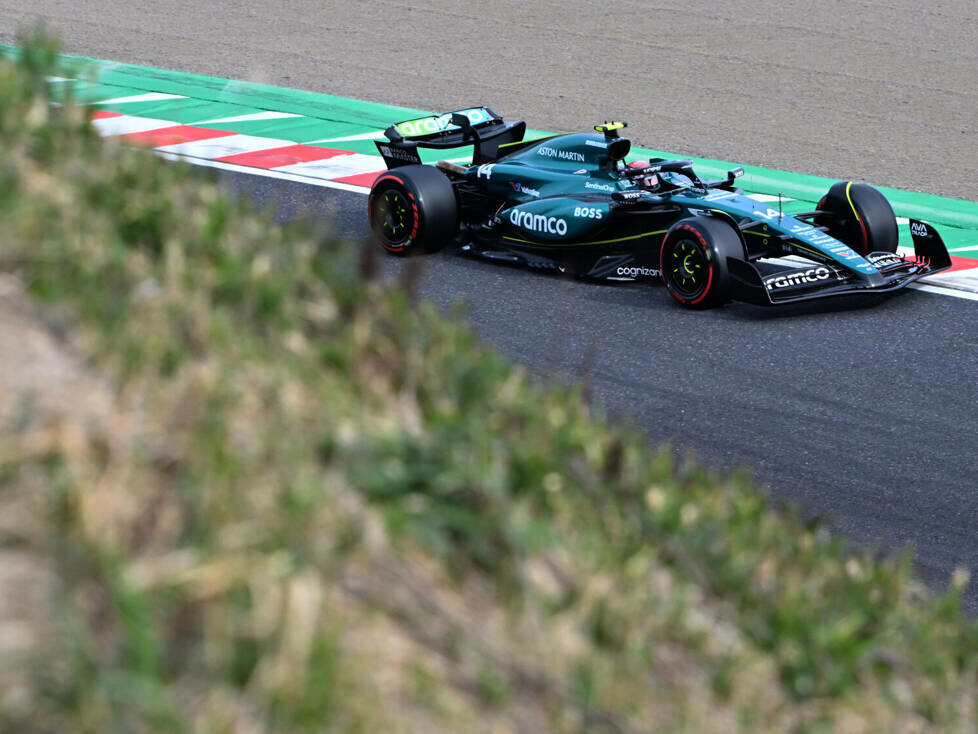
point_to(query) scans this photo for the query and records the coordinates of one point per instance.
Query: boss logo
(587, 212)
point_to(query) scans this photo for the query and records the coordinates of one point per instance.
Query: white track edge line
(146, 97)
(262, 116)
(362, 136)
(944, 291)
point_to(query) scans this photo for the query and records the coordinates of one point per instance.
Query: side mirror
(735, 173)
(619, 148)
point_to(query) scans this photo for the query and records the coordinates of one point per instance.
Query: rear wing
(477, 126)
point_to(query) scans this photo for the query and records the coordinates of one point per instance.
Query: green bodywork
(561, 192)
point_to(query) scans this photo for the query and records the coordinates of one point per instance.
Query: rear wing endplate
(480, 127)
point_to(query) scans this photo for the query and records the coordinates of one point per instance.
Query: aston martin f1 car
(572, 204)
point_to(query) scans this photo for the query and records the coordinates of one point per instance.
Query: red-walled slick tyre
(413, 210)
(859, 216)
(694, 261)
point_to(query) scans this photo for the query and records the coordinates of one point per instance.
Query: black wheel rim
(688, 269)
(393, 216)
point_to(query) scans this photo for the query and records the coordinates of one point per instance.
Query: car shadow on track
(628, 293)
(648, 294)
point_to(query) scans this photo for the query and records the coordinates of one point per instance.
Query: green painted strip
(85, 92)
(296, 129)
(327, 116)
(185, 111)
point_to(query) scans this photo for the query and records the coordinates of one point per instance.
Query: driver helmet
(647, 182)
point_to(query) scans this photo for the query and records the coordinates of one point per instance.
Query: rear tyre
(693, 260)
(860, 216)
(413, 210)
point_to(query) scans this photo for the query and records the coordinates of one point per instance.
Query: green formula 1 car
(570, 203)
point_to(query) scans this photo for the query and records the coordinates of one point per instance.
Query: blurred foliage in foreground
(307, 503)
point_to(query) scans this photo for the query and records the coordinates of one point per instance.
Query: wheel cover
(688, 269)
(393, 216)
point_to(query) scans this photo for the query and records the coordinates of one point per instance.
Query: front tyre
(860, 216)
(413, 209)
(693, 260)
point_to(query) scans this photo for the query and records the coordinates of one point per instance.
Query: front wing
(824, 280)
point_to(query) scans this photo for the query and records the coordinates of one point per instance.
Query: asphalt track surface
(863, 415)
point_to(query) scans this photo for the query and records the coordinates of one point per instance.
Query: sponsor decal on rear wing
(424, 127)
